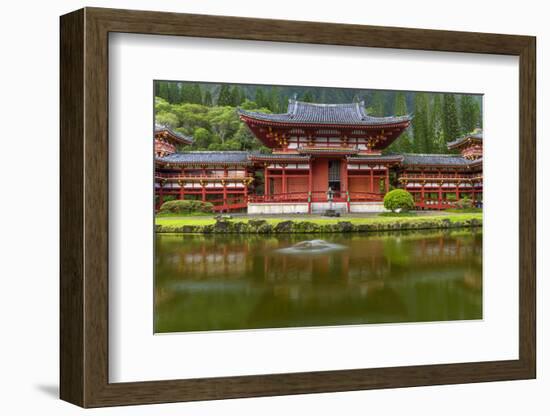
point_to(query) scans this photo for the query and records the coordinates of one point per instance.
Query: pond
(226, 282)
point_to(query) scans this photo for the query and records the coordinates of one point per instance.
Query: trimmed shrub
(464, 203)
(398, 199)
(186, 207)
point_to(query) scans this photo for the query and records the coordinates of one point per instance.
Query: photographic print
(302, 206)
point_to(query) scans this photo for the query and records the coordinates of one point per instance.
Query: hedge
(186, 207)
(464, 203)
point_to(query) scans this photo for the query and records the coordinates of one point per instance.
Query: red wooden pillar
(371, 179)
(224, 195)
(283, 179)
(439, 196)
(309, 186)
(344, 183)
(182, 189)
(344, 176)
(203, 193)
(161, 193)
(266, 180)
(387, 180)
(422, 195)
(457, 191)
(182, 184)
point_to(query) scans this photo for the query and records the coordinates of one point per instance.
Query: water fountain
(312, 247)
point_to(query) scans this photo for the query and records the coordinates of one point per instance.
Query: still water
(224, 282)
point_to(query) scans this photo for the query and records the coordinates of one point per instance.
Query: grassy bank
(208, 224)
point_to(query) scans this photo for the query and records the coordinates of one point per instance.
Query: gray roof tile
(299, 112)
(434, 159)
(207, 157)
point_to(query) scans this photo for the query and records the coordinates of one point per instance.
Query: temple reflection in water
(244, 282)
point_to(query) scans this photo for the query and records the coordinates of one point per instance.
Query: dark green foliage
(404, 143)
(436, 125)
(207, 100)
(224, 98)
(307, 97)
(181, 206)
(451, 128)
(398, 199)
(469, 113)
(195, 94)
(237, 97)
(377, 105)
(464, 203)
(423, 142)
(260, 98)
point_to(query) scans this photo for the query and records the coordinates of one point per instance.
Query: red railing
(229, 204)
(288, 197)
(435, 204)
(176, 176)
(437, 178)
(317, 196)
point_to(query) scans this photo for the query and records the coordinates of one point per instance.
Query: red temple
(314, 148)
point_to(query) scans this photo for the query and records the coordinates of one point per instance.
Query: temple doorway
(334, 176)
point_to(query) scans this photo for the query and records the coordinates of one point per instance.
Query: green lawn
(176, 221)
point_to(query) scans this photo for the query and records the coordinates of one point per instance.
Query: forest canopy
(208, 112)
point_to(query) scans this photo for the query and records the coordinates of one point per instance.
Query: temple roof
(159, 128)
(476, 135)
(207, 157)
(247, 158)
(299, 112)
(435, 159)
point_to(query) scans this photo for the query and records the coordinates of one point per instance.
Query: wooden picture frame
(84, 207)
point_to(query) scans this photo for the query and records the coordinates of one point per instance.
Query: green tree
(195, 94)
(167, 119)
(477, 105)
(162, 106)
(403, 143)
(224, 122)
(260, 98)
(235, 96)
(191, 116)
(274, 99)
(378, 104)
(468, 113)
(207, 100)
(307, 97)
(224, 98)
(451, 128)
(173, 92)
(422, 142)
(163, 90)
(249, 105)
(436, 125)
(201, 138)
